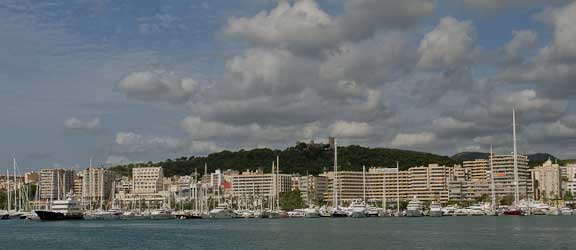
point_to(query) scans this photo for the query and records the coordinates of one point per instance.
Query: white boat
(296, 214)
(111, 214)
(566, 211)
(161, 214)
(222, 212)
(436, 210)
(358, 209)
(311, 212)
(414, 208)
(67, 209)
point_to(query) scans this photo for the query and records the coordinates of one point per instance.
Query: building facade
(547, 182)
(56, 183)
(147, 180)
(504, 176)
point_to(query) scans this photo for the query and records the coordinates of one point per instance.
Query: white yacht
(311, 212)
(111, 214)
(222, 212)
(67, 209)
(358, 209)
(414, 208)
(436, 209)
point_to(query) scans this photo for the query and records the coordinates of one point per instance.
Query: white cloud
(449, 45)
(87, 126)
(522, 41)
(565, 31)
(114, 160)
(130, 142)
(413, 140)
(347, 129)
(450, 124)
(160, 86)
(302, 26)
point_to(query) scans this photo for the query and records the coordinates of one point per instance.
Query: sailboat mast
(492, 185)
(517, 188)
(384, 205)
(364, 183)
(8, 187)
(16, 205)
(335, 182)
(277, 183)
(398, 187)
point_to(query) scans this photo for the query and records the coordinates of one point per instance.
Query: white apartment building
(547, 182)
(96, 185)
(56, 183)
(259, 184)
(504, 176)
(147, 180)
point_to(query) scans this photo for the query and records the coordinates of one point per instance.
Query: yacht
(436, 209)
(358, 209)
(566, 211)
(414, 208)
(62, 210)
(111, 214)
(222, 212)
(277, 215)
(311, 213)
(297, 214)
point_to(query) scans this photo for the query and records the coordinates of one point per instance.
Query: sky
(132, 81)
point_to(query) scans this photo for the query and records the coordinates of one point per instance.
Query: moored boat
(62, 210)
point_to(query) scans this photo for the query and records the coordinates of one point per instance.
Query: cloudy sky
(148, 80)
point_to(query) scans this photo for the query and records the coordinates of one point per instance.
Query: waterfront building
(96, 185)
(31, 178)
(478, 169)
(547, 182)
(259, 184)
(569, 178)
(504, 176)
(56, 183)
(427, 183)
(312, 188)
(147, 180)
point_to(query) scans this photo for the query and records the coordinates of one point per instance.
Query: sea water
(446, 233)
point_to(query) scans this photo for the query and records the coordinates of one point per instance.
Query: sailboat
(337, 212)
(515, 211)
(358, 208)
(276, 212)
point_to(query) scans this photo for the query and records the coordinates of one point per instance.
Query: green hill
(302, 159)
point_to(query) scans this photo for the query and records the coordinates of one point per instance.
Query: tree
(3, 200)
(568, 196)
(483, 198)
(291, 200)
(506, 200)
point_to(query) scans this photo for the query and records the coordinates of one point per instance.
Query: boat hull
(413, 213)
(55, 216)
(436, 213)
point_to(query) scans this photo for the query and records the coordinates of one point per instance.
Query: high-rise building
(547, 182)
(147, 180)
(56, 183)
(311, 187)
(504, 176)
(259, 184)
(427, 183)
(31, 178)
(96, 185)
(569, 175)
(478, 169)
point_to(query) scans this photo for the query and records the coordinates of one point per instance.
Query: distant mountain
(535, 159)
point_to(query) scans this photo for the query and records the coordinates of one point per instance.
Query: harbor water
(446, 233)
